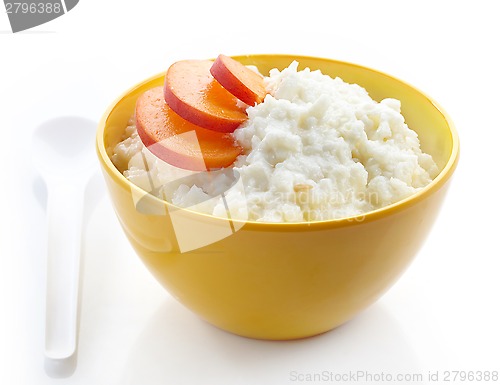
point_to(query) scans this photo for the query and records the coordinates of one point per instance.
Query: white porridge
(316, 148)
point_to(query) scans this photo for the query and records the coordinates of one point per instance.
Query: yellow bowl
(282, 281)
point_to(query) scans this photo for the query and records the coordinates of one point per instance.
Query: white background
(443, 314)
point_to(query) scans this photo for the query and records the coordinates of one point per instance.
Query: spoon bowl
(63, 147)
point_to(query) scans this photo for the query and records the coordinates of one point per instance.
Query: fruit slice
(177, 141)
(192, 92)
(241, 81)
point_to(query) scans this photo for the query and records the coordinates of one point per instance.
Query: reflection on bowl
(287, 280)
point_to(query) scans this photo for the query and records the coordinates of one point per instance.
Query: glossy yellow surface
(284, 281)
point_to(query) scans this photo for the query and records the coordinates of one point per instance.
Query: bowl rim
(436, 184)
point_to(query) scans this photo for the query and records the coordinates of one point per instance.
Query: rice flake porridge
(316, 148)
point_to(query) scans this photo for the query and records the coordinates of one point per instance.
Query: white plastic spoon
(63, 152)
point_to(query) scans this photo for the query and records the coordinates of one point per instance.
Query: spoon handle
(65, 216)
